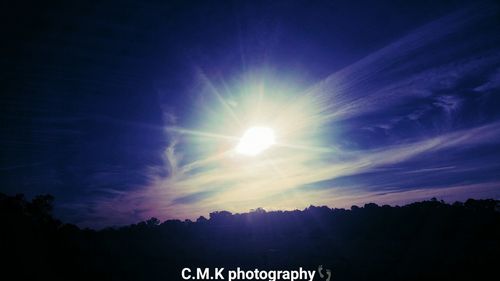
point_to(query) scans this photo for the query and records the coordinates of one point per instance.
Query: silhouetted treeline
(428, 240)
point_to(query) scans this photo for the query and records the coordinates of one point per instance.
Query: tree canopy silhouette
(429, 240)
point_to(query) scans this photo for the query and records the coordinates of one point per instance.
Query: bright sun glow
(255, 140)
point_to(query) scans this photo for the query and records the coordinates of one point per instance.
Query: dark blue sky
(102, 103)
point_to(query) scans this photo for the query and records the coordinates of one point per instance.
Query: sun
(255, 140)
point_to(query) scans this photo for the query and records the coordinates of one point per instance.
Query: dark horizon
(428, 240)
(52, 201)
(97, 227)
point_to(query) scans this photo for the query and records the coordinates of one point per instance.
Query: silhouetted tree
(428, 240)
(152, 222)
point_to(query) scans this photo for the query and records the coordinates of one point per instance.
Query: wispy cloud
(244, 187)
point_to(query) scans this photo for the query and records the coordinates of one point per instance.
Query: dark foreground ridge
(428, 240)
